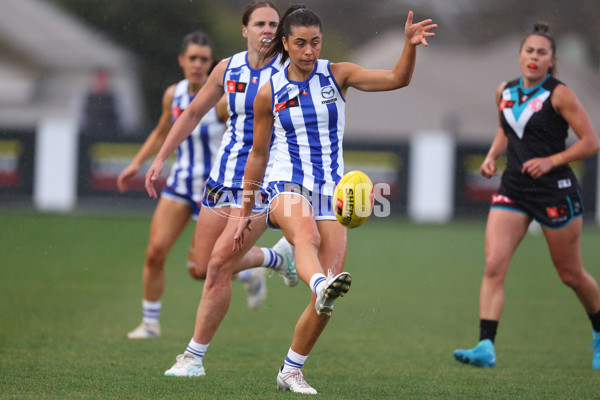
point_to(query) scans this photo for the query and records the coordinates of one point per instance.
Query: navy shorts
(551, 213)
(169, 193)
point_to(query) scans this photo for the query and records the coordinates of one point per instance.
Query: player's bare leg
(168, 222)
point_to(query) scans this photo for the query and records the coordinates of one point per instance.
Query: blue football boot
(482, 355)
(596, 346)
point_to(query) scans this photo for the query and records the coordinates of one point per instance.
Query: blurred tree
(153, 29)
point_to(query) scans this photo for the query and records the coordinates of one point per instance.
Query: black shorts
(551, 213)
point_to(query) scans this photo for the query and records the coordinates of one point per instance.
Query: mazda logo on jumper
(327, 92)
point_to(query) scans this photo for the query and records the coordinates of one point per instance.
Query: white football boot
(294, 382)
(336, 286)
(145, 330)
(286, 269)
(186, 365)
(256, 287)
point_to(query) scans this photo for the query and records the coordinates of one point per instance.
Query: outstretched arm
(352, 75)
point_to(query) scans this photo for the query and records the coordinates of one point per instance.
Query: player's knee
(308, 239)
(494, 267)
(222, 262)
(217, 281)
(155, 256)
(570, 279)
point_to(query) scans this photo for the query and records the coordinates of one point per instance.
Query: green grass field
(70, 291)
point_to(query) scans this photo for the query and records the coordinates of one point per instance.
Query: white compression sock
(271, 258)
(151, 310)
(196, 349)
(316, 283)
(293, 361)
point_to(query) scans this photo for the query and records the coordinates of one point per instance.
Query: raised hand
(418, 33)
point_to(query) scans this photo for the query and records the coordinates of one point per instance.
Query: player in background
(179, 200)
(305, 104)
(535, 113)
(239, 77)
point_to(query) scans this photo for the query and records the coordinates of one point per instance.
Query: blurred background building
(81, 84)
(56, 74)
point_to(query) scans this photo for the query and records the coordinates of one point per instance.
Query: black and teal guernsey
(533, 129)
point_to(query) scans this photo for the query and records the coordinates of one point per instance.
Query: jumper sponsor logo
(176, 111)
(564, 183)
(287, 104)
(506, 104)
(535, 105)
(254, 80)
(236, 87)
(327, 92)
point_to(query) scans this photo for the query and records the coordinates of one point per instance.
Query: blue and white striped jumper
(241, 83)
(309, 126)
(196, 154)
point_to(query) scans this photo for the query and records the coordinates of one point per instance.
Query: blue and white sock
(271, 258)
(317, 282)
(196, 349)
(151, 310)
(293, 361)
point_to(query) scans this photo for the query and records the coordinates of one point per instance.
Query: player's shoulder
(169, 94)
(563, 95)
(342, 70)
(237, 60)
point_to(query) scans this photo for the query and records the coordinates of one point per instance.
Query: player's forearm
(253, 176)
(182, 128)
(405, 66)
(582, 149)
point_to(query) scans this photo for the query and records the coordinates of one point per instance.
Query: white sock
(196, 349)
(271, 258)
(317, 282)
(293, 361)
(151, 310)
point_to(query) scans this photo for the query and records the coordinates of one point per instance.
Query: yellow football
(353, 199)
